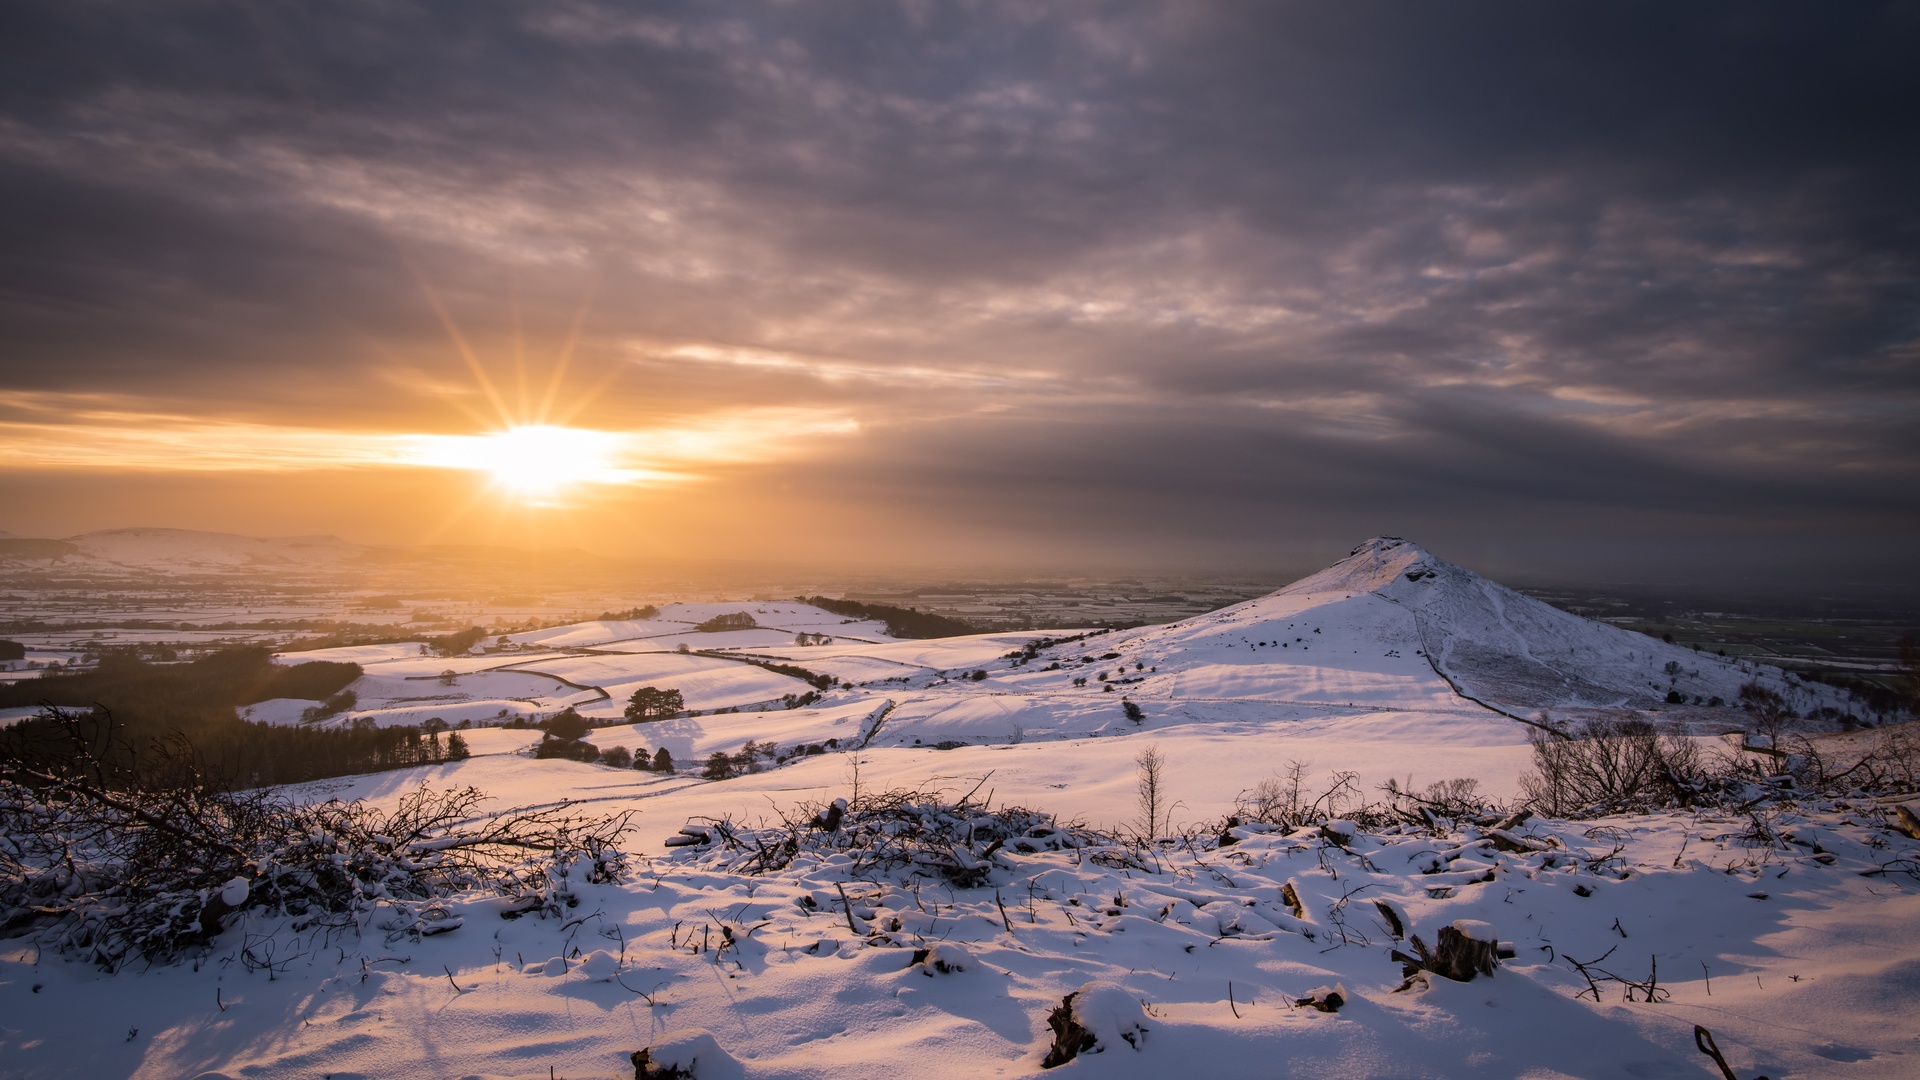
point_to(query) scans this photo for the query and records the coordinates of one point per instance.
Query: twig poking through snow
(1703, 1039)
(847, 906)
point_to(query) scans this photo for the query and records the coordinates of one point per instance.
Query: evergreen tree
(652, 703)
(568, 725)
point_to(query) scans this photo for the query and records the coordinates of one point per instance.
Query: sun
(536, 463)
(541, 461)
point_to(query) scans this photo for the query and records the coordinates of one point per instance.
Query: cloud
(1646, 268)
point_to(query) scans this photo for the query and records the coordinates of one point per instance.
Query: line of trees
(646, 611)
(241, 754)
(201, 690)
(458, 643)
(901, 622)
(126, 708)
(566, 737)
(791, 671)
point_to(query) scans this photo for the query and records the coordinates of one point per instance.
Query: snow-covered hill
(1391, 637)
(1793, 938)
(176, 551)
(1393, 624)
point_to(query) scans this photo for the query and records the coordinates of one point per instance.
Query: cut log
(1509, 841)
(1514, 820)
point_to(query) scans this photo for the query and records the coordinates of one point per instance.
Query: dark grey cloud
(1632, 270)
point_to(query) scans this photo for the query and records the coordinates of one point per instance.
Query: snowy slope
(777, 624)
(1393, 625)
(1519, 653)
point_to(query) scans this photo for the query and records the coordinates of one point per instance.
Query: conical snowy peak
(1370, 567)
(1393, 625)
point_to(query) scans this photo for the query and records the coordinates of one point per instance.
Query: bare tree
(1770, 714)
(1276, 800)
(1609, 763)
(1287, 801)
(1150, 767)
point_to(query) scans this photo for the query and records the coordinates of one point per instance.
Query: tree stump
(1327, 999)
(1906, 822)
(1454, 956)
(1069, 1038)
(645, 1069)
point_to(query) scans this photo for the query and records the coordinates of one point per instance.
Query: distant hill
(188, 548)
(1391, 608)
(24, 549)
(193, 551)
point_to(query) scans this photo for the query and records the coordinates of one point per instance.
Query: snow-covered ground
(1802, 955)
(1798, 963)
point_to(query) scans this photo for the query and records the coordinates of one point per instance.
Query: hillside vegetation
(125, 711)
(901, 622)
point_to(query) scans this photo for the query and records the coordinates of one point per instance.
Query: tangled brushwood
(893, 833)
(117, 863)
(1625, 764)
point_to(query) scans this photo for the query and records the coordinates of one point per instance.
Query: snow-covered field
(1801, 952)
(594, 667)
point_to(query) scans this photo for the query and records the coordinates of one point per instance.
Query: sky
(1563, 291)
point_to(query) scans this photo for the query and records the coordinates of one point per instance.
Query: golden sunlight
(537, 462)
(534, 464)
